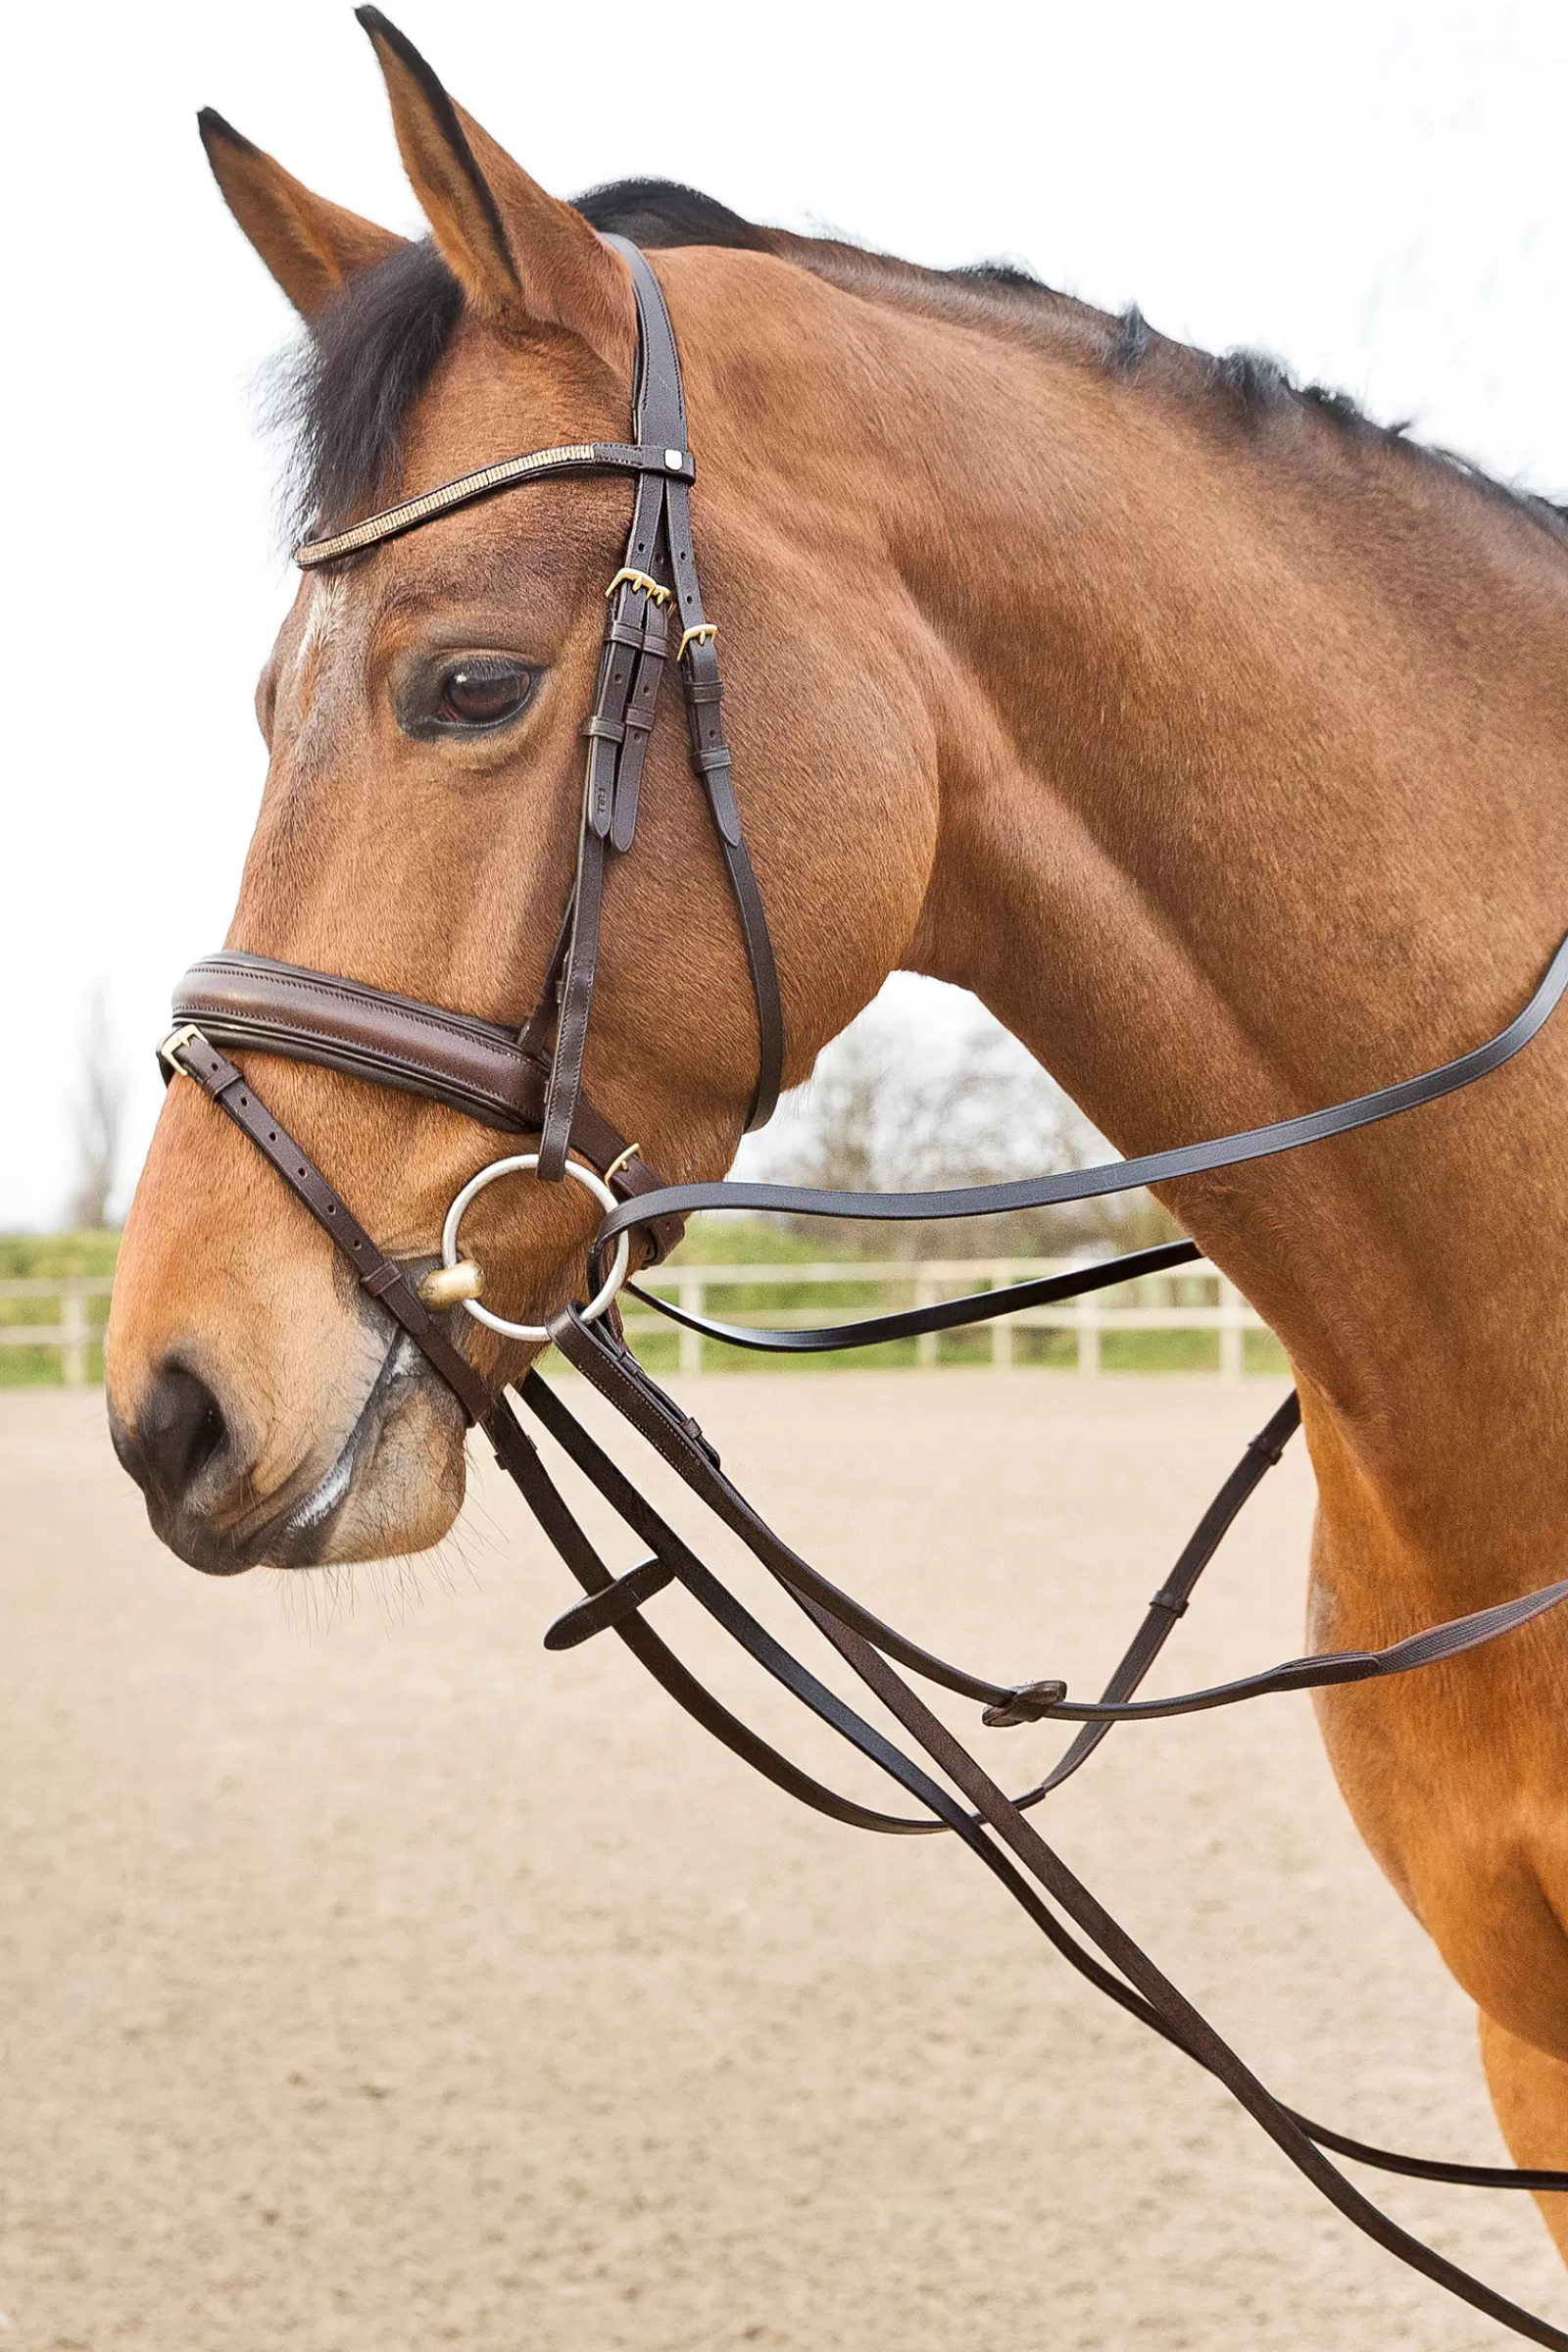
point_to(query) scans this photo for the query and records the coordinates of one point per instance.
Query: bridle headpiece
(532, 1079)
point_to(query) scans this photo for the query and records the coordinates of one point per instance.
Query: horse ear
(311, 248)
(521, 256)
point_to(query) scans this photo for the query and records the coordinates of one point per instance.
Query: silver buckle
(186, 1034)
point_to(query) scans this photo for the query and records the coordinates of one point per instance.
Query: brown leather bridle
(530, 1082)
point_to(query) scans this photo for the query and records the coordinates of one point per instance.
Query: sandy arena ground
(371, 1980)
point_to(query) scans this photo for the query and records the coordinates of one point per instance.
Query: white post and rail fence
(72, 1332)
(1149, 1304)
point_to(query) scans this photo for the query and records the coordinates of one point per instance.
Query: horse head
(422, 709)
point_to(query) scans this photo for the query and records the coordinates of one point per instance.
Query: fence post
(73, 1336)
(1232, 1315)
(690, 1341)
(1089, 1334)
(1000, 1275)
(927, 1293)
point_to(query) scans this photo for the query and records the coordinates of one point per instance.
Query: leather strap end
(611, 1607)
(1030, 1702)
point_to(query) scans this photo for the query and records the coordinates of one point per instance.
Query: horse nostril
(180, 1429)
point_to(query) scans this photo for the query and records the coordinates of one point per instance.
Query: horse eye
(484, 693)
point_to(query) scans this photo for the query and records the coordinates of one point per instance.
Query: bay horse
(1214, 737)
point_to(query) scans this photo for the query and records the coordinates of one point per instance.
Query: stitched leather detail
(251, 1001)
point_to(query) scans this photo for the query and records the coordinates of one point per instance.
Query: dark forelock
(346, 389)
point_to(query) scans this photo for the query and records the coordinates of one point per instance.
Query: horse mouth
(297, 1538)
(313, 1528)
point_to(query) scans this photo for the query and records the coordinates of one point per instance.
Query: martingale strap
(997, 1822)
(673, 1559)
(942, 1314)
(611, 1368)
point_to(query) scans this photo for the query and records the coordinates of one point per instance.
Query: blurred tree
(99, 1118)
(890, 1108)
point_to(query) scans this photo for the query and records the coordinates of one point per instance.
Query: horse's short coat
(1214, 738)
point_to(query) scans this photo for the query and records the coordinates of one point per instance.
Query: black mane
(660, 213)
(347, 391)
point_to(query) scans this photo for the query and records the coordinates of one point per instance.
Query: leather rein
(530, 1082)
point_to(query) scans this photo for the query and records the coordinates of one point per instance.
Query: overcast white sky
(1378, 194)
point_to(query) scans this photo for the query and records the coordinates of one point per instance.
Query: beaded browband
(576, 457)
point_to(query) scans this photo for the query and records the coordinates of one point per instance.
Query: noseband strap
(195, 1056)
(473, 1066)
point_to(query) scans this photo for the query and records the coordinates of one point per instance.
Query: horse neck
(1252, 799)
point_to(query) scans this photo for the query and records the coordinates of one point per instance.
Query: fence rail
(1150, 1304)
(72, 1331)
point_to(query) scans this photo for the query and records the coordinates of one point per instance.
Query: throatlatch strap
(661, 398)
(661, 568)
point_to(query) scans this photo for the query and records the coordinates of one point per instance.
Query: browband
(575, 457)
(473, 1066)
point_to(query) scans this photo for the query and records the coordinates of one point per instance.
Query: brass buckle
(704, 634)
(186, 1034)
(626, 577)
